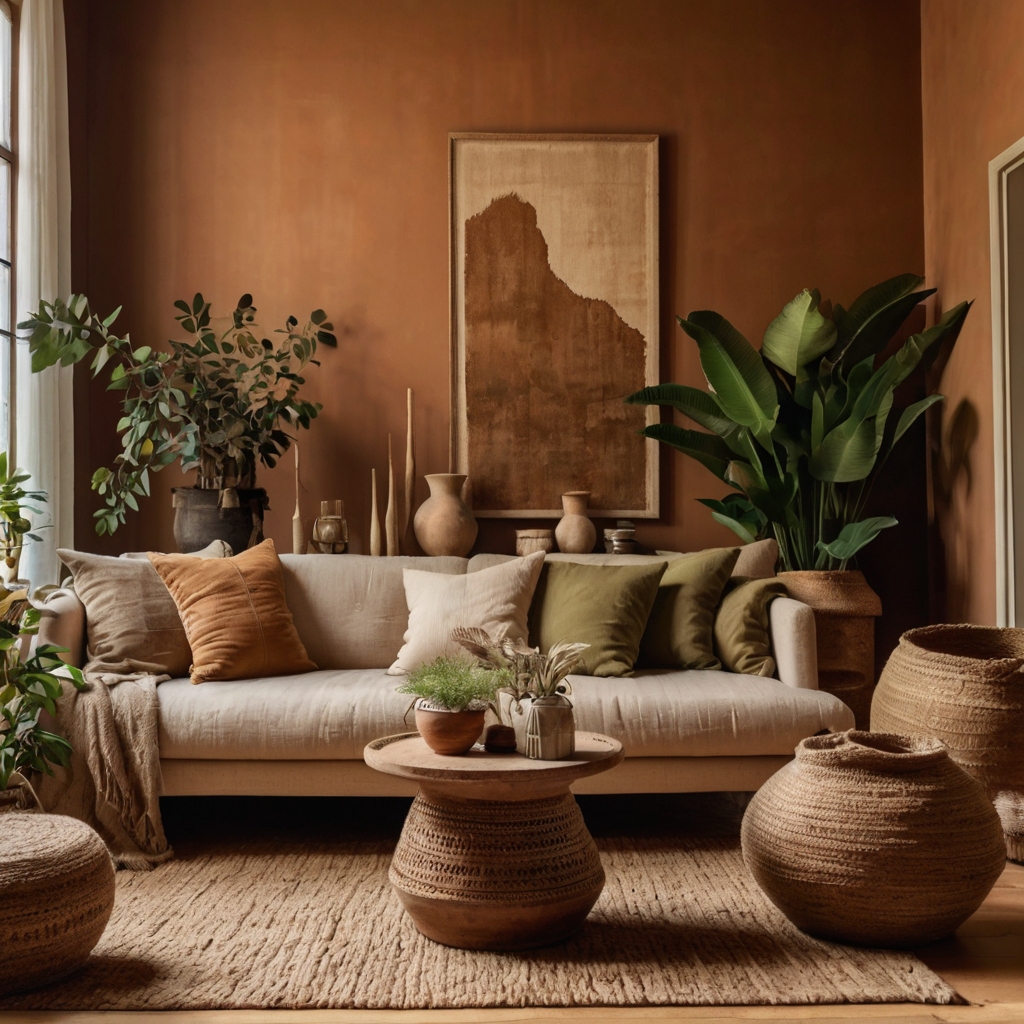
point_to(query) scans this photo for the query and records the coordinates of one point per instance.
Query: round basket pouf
(965, 685)
(873, 839)
(56, 894)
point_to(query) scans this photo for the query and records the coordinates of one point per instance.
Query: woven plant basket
(56, 895)
(964, 685)
(873, 839)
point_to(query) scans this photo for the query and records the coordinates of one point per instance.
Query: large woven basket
(964, 685)
(873, 839)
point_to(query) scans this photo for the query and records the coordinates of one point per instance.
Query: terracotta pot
(845, 609)
(575, 533)
(873, 839)
(443, 524)
(964, 685)
(448, 732)
(199, 519)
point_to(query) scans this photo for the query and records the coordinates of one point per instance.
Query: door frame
(999, 169)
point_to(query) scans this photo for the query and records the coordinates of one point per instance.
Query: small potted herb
(452, 696)
(27, 689)
(541, 712)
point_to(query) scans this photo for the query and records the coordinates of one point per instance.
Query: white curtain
(44, 426)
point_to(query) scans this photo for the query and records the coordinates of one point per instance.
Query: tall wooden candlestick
(391, 515)
(374, 518)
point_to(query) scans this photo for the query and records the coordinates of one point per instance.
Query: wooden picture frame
(554, 319)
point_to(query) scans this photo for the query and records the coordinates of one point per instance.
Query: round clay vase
(845, 609)
(443, 524)
(575, 533)
(448, 732)
(200, 519)
(873, 839)
(965, 685)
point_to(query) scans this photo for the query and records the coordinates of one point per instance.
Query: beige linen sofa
(305, 734)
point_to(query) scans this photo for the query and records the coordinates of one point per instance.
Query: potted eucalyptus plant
(800, 431)
(218, 403)
(451, 699)
(27, 689)
(537, 688)
(14, 527)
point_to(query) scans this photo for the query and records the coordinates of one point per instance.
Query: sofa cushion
(235, 614)
(743, 640)
(679, 629)
(350, 610)
(496, 600)
(132, 622)
(704, 713)
(603, 606)
(333, 715)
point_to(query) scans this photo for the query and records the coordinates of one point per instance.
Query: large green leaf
(853, 537)
(846, 453)
(699, 405)
(757, 489)
(710, 451)
(799, 334)
(736, 512)
(875, 316)
(911, 413)
(733, 368)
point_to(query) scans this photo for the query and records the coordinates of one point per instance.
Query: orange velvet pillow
(234, 613)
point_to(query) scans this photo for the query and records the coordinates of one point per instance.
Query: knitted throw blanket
(113, 782)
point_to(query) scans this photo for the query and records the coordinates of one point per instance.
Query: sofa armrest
(62, 622)
(794, 644)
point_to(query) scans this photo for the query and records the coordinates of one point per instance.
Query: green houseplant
(217, 402)
(452, 697)
(546, 727)
(801, 430)
(14, 527)
(27, 689)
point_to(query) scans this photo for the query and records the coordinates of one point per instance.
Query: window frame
(12, 12)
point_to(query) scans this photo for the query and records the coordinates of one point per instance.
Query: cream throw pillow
(496, 599)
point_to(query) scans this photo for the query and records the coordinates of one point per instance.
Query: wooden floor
(984, 962)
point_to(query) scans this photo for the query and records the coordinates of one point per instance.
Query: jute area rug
(258, 924)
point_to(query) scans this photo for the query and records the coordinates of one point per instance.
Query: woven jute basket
(964, 685)
(873, 839)
(56, 895)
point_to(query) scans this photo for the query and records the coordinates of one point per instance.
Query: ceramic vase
(575, 533)
(873, 839)
(448, 732)
(443, 524)
(546, 729)
(845, 609)
(964, 685)
(530, 541)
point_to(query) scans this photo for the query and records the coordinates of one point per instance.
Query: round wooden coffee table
(494, 853)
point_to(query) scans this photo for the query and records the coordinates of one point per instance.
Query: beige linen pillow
(496, 599)
(132, 624)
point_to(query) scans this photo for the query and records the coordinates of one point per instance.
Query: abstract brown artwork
(555, 320)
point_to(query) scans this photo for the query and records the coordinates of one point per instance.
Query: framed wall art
(554, 292)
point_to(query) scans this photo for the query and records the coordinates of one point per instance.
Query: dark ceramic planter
(198, 520)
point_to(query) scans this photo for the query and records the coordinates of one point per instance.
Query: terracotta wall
(973, 84)
(298, 151)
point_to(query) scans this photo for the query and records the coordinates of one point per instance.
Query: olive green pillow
(679, 630)
(605, 606)
(742, 637)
